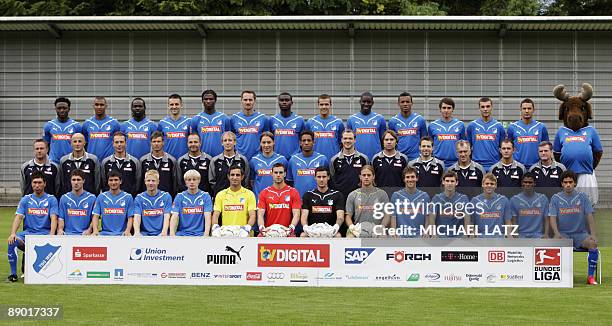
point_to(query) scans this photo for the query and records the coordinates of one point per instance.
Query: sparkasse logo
(292, 255)
(89, 253)
(357, 255)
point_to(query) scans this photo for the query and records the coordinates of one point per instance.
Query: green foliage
(577, 8)
(510, 7)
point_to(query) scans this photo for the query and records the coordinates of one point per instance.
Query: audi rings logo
(275, 276)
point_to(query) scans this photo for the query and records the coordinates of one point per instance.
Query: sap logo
(356, 255)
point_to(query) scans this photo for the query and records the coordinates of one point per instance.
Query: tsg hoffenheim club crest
(48, 262)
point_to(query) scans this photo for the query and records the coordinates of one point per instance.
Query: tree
(577, 8)
(510, 8)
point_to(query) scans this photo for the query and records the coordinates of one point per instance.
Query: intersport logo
(292, 255)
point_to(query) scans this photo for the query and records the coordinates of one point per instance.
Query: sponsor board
(357, 255)
(292, 255)
(89, 253)
(459, 256)
(547, 264)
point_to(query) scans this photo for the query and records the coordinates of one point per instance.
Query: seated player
(495, 211)
(322, 204)
(191, 209)
(530, 210)
(152, 208)
(75, 208)
(116, 209)
(413, 201)
(278, 203)
(452, 218)
(361, 202)
(236, 205)
(571, 217)
(38, 211)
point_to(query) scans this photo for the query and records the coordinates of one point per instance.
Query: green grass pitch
(132, 304)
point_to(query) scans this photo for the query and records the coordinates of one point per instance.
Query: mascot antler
(586, 93)
(561, 94)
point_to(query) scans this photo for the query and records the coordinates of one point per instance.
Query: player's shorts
(577, 238)
(150, 233)
(587, 183)
(536, 235)
(110, 233)
(189, 234)
(22, 235)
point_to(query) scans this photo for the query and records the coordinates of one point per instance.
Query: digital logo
(357, 255)
(154, 254)
(547, 265)
(497, 256)
(292, 255)
(225, 259)
(401, 256)
(48, 261)
(253, 276)
(89, 253)
(459, 256)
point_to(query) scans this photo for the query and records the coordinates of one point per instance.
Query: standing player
(345, 166)
(415, 217)
(194, 160)
(429, 169)
(116, 209)
(508, 171)
(452, 218)
(389, 164)
(236, 204)
(41, 163)
(469, 173)
(286, 127)
(261, 165)
(446, 132)
(81, 160)
(410, 127)
(485, 135)
(220, 164)
(138, 130)
(248, 125)
(75, 208)
(368, 125)
(361, 202)
(496, 210)
(322, 204)
(163, 163)
(547, 171)
(58, 132)
(175, 128)
(152, 208)
(99, 129)
(530, 210)
(124, 163)
(191, 209)
(302, 165)
(326, 128)
(526, 134)
(38, 211)
(571, 217)
(210, 125)
(278, 203)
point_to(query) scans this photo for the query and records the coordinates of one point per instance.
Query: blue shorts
(577, 238)
(110, 233)
(183, 233)
(22, 235)
(536, 235)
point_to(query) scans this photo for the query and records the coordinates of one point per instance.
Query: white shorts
(587, 183)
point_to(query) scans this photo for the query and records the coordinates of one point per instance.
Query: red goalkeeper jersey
(278, 204)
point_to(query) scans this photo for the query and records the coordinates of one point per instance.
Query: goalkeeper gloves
(246, 228)
(336, 228)
(215, 226)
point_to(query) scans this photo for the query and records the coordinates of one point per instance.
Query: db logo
(547, 256)
(497, 256)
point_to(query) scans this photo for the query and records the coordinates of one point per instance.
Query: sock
(12, 257)
(592, 258)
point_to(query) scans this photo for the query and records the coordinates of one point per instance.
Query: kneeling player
(322, 204)
(235, 205)
(530, 210)
(570, 212)
(191, 209)
(152, 208)
(279, 203)
(449, 207)
(491, 211)
(75, 208)
(38, 211)
(115, 207)
(410, 204)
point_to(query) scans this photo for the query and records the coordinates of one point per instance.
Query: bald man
(81, 160)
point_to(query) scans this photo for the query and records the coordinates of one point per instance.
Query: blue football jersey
(530, 213)
(36, 212)
(151, 210)
(328, 134)
(175, 135)
(485, 138)
(99, 136)
(449, 211)
(445, 135)
(191, 208)
(409, 131)
(247, 130)
(302, 171)
(496, 211)
(286, 133)
(114, 212)
(412, 215)
(210, 127)
(571, 211)
(76, 212)
(58, 135)
(261, 171)
(138, 136)
(368, 132)
(526, 139)
(577, 147)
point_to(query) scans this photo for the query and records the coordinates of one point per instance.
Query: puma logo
(230, 249)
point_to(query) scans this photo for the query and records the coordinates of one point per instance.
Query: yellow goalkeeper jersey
(235, 206)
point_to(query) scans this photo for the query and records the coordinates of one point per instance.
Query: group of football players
(251, 174)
